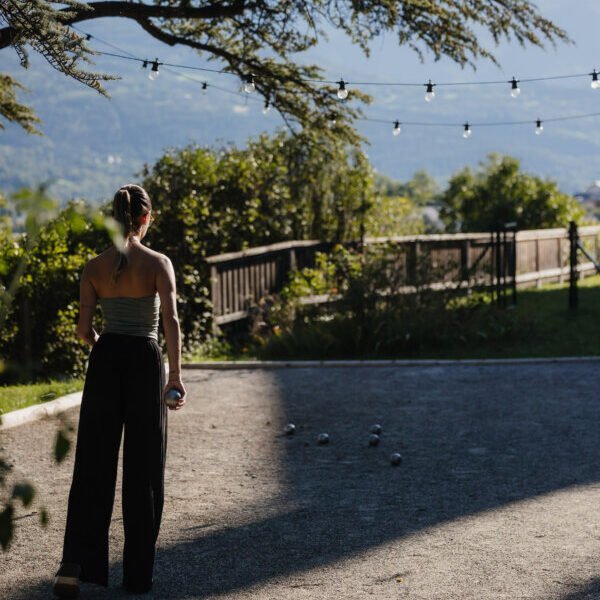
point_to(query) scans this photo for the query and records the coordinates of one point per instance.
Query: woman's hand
(175, 382)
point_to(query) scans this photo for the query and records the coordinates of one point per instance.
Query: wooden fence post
(465, 260)
(573, 266)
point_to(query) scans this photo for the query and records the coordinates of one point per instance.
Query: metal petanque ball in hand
(172, 397)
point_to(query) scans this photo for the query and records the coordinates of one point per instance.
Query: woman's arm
(165, 284)
(87, 308)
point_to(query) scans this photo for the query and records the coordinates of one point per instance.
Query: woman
(123, 389)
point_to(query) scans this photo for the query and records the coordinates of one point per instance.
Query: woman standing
(124, 389)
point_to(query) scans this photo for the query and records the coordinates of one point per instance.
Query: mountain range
(92, 145)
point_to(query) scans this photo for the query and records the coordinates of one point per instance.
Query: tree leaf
(24, 491)
(61, 446)
(6, 526)
(44, 517)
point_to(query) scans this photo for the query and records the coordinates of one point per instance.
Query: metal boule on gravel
(323, 438)
(374, 439)
(289, 429)
(376, 429)
(396, 458)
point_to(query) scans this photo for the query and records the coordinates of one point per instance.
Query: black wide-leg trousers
(122, 391)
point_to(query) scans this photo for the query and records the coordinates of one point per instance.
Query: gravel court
(497, 496)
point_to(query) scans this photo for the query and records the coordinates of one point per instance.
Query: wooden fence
(240, 278)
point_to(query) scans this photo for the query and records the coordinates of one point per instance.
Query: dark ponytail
(130, 202)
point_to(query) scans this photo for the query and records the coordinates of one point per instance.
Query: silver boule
(396, 458)
(289, 429)
(172, 397)
(376, 429)
(323, 438)
(374, 439)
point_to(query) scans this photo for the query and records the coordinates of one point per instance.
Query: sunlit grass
(13, 397)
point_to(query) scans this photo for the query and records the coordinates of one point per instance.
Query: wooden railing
(240, 278)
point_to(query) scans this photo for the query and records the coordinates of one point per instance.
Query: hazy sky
(568, 151)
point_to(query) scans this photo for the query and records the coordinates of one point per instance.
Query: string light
(154, 71)
(428, 85)
(539, 127)
(267, 106)
(249, 85)
(396, 130)
(204, 87)
(342, 92)
(515, 90)
(332, 118)
(429, 93)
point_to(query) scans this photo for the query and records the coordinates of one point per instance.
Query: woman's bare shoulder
(100, 259)
(153, 255)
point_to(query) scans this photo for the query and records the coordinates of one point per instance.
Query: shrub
(380, 308)
(39, 339)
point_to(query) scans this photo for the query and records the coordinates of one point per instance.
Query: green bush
(380, 309)
(39, 339)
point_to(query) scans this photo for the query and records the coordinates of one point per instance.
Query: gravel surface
(497, 496)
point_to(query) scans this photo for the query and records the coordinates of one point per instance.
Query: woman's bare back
(137, 279)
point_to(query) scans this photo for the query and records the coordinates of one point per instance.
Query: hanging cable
(249, 86)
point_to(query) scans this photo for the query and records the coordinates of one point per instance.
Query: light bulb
(429, 93)
(539, 127)
(266, 107)
(204, 87)
(595, 82)
(467, 131)
(332, 119)
(154, 71)
(515, 90)
(249, 86)
(342, 92)
(396, 130)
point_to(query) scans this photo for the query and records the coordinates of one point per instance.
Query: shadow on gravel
(588, 592)
(472, 440)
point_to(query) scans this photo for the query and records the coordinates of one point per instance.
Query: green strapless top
(131, 316)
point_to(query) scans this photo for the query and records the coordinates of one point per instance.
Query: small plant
(383, 303)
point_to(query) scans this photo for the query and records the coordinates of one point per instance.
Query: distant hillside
(93, 145)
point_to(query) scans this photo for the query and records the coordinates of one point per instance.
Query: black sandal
(66, 581)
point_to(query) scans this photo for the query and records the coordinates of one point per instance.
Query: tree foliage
(499, 192)
(421, 188)
(278, 188)
(266, 37)
(394, 215)
(39, 287)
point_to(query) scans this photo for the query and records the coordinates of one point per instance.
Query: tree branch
(138, 12)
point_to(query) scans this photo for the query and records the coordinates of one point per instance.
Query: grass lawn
(557, 331)
(13, 397)
(541, 325)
